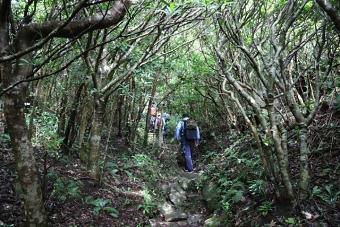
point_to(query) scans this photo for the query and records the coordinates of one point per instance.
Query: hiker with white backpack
(188, 133)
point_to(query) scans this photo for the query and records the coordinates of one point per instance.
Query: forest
(170, 113)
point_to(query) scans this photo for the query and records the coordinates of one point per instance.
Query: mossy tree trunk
(82, 129)
(95, 140)
(16, 122)
(281, 153)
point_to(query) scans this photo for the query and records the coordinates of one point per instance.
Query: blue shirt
(179, 132)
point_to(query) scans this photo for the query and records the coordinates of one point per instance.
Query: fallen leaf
(307, 215)
(272, 223)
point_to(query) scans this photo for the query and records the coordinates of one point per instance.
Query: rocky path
(184, 205)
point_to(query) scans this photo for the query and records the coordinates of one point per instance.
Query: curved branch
(69, 28)
(331, 12)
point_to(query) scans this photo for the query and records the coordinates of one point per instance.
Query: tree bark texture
(82, 129)
(62, 112)
(16, 123)
(137, 119)
(281, 154)
(119, 108)
(95, 140)
(304, 170)
(255, 135)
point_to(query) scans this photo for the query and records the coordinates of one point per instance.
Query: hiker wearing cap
(188, 133)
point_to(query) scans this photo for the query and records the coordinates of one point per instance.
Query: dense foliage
(78, 79)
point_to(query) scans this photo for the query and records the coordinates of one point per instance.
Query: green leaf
(290, 220)
(74, 189)
(110, 164)
(100, 162)
(238, 196)
(128, 173)
(99, 202)
(172, 6)
(111, 209)
(238, 184)
(62, 197)
(114, 215)
(96, 210)
(114, 171)
(88, 199)
(316, 190)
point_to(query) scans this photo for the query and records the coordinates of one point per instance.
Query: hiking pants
(187, 148)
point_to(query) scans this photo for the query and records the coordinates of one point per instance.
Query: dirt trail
(184, 205)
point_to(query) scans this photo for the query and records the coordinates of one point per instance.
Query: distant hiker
(152, 123)
(153, 113)
(153, 110)
(165, 122)
(188, 133)
(158, 122)
(3, 118)
(157, 125)
(3, 123)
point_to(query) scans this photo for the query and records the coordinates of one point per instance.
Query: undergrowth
(246, 197)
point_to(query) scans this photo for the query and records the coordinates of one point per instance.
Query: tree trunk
(230, 117)
(62, 113)
(24, 157)
(282, 154)
(127, 118)
(71, 121)
(82, 128)
(304, 172)
(119, 108)
(132, 112)
(303, 123)
(17, 129)
(95, 140)
(137, 119)
(331, 11)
